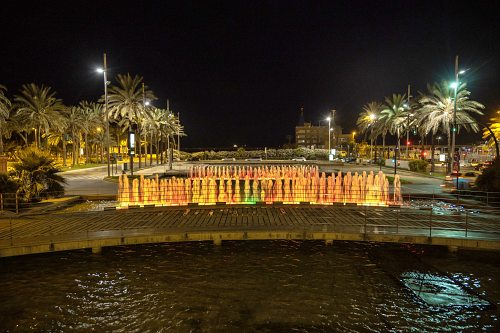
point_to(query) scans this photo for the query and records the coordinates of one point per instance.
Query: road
(91, 181)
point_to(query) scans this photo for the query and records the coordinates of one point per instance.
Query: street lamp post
(372, 119)
(104, 71)
(408, 125)
(454, 85)
(329, 128)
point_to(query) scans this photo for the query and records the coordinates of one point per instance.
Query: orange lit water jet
(247, 185)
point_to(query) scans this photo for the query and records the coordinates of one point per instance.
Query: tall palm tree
(39, 108)
(75, 121)
(367, 120)
(126, 102)
(436, 111)
(4, 113)
(91, 116)
(394, 115)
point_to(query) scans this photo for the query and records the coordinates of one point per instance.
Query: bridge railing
(468, 224)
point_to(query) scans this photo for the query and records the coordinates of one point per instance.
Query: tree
(39, 108)
(368, 119)
(126, 102)
(75, 121)
(91, 116)
(4, 113)
(394, 115)
(493, 130)
(436, 111)
(36, 174)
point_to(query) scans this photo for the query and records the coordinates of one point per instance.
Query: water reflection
(278, 286)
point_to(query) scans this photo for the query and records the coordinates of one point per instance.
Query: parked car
(466, 181)
(299, 159)
(253, 159)
(229, 159)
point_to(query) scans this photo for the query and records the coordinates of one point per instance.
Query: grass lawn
(403, 181)
(81, 166)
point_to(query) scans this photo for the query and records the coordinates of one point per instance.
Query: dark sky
(239, 71)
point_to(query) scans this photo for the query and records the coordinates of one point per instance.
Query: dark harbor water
(271, 286)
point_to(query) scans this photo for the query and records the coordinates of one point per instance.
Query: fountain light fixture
(454, 85)
(372, 116)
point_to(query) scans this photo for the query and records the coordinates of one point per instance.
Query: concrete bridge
(95, 230)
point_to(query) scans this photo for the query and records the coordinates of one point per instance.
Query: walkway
(63, 231)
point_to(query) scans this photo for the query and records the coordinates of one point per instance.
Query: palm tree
(39, 108)
(437, 110)
(36, 174)
(492, 132)
(126, 102)
(368, 118)
(394, 116)
(91, 116)
(75, 121)
(4, 113)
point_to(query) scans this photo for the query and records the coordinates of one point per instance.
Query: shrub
(489, 180)
(7, 184)
(418, 165)
(36, 174)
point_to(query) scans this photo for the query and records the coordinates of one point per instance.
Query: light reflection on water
(277, 286)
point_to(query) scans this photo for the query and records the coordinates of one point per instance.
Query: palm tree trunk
(157, 148)
(1, 141)
(64, 150)
(383, 147)
(86, 148)
(170, 154)
(38, 142)
(433, 147)
(151, 150)
(73, 148)
(118, 141)
(139, 145)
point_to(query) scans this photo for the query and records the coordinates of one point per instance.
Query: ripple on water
(271, 286)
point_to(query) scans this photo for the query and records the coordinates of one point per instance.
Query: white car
(299, 159)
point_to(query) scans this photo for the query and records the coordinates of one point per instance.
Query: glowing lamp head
(454, 85)
(372, 116)
(99, 70)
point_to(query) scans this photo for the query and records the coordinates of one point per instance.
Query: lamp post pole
(408, 125)
(329, 135)
(451, 154)
(106, 116)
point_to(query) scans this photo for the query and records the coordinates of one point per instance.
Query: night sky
(239, 71)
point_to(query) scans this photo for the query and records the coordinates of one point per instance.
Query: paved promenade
(63, 231)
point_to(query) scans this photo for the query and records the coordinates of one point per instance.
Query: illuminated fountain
(246, 185)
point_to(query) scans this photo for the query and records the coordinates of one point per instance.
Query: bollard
(17, 204)
(1, 202)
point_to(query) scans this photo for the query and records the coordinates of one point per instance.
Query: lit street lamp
(106, 120)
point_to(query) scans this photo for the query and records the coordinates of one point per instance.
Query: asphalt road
(91, 181)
